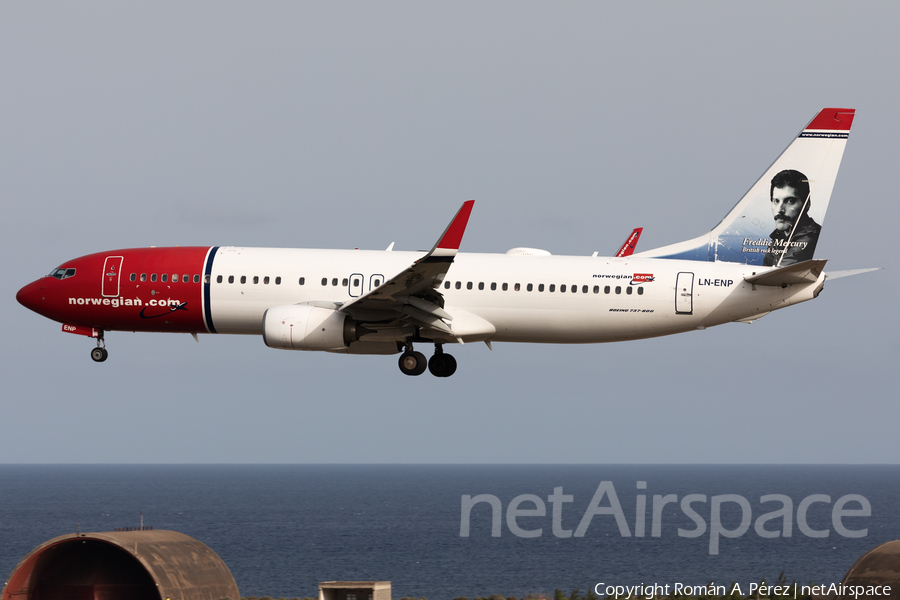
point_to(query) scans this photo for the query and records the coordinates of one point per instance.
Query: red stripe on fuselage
(86, 298)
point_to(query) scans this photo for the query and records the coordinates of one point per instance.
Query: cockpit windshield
(62, 273)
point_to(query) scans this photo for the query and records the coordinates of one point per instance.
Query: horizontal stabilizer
(839, 274)
(807, 271)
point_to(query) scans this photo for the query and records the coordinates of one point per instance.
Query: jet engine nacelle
(305, 327)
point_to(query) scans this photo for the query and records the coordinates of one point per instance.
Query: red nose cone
(30, 296)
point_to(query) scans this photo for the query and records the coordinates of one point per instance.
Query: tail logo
(778, 221)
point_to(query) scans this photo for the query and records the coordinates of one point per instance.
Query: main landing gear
(440, 365)
(99, 354)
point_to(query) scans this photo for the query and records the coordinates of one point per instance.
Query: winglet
(630, 244)
(450, 240)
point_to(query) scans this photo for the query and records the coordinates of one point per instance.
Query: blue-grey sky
(358, 124)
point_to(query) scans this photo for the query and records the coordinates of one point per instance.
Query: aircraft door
(375, 281)
(684, 294)
(112, 269)
(356, 285)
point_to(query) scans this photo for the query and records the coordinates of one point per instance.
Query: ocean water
(281, 529)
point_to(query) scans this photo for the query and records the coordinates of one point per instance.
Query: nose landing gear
(99, 354)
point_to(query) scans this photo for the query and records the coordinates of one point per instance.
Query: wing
(410, 298)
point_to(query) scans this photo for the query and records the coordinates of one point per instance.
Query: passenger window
(606, 289)
(552, 287)
(446, 285)
(278, 281)
(480, 285)
(562, 288)
(541, 287)
(231, 279)
(356, 283)
(518, 287)
(143, 277)
(459, 285)
(640, 291)
(584, 289)
(596, 289)
(505, 286)
(133, 276)
(377, 282)
(153, 277)
(197, 279)
(185, 278)
(345, 282)
(574, 289)
(469, 286)
(174, 278)
(266, 280)
(165, 277)
(530, 287)
(618, 289)
(302, 280)
(628, 291)
(219, 279)
(256, 279)
(493, 286)
(334, 281)
(324, 281)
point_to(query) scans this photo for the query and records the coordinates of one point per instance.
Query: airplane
(759, 258)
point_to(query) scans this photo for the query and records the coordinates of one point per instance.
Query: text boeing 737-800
(759, 258)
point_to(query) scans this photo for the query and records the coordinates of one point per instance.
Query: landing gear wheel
(442, 365)
(99, 354)
(413, 363)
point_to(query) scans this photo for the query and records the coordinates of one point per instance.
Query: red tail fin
(630, 244)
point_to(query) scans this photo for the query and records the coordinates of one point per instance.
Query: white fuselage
(495, 288)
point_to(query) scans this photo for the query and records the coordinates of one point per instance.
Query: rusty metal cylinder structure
(880, 566)
(120, 565)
